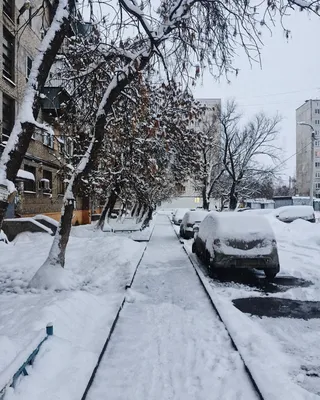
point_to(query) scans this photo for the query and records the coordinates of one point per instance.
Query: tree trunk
(147, 219)
(12, 161)
(133, 210)
(49, 275)
(233, 200)
(205, 201)
(107, 209)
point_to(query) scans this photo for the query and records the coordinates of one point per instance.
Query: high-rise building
(309, 113)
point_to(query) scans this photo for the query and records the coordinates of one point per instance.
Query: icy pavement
(169, 343)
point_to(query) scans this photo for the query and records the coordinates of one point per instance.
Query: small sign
(4, 193)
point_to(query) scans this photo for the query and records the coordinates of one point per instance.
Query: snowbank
(100, 267)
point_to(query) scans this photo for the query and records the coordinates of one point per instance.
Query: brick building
(39, 183)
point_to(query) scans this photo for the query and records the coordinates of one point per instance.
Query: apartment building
(190, 195)
(309, 112)
(39, 183)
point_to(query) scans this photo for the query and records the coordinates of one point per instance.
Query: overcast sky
(290, 74)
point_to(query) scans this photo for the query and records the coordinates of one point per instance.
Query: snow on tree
(183, 37)
(247, 149)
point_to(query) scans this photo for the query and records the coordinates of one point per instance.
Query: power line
(282, 93)
(297, 152)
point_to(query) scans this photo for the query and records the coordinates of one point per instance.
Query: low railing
(19, 365)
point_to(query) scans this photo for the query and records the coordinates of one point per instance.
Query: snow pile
(100, 268)
(3, 237)
(46, 218)
(25, 175)
(297, 233)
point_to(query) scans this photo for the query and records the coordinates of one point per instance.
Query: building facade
(39, 183)
(190, 195)
(309, 112)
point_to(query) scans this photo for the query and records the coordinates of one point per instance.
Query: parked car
(237, 240)
(178, 215)
(189, 220)
(291, 213)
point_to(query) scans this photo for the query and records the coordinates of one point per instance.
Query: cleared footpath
(168, 342)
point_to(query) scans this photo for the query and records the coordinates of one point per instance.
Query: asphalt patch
(274, 307)
(257, 280)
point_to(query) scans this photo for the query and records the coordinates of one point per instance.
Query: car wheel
(207, 258)
(194, 248)
(182, 233)
(271, 273)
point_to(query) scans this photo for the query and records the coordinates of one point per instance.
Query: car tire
(271, 272)
(194, 248)
(207, 258)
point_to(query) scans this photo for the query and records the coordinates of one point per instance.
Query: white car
(189, 220)
(235, 241)
(291, 213)
(178, 215)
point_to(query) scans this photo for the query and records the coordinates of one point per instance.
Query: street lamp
(312, 159)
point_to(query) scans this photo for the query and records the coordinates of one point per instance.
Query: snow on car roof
(194, 216)
(233, 225)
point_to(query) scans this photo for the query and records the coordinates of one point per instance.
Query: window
(317, 121)
(46, 182)
(316, 133)
(317, 143)
(317, 153)
(317, 111)
(318, 185)
(317, 174)
(29, 185)
(8, 115)
(28, 67)
(8, 54)
(48, 139)
(8, 7)
(317, 164)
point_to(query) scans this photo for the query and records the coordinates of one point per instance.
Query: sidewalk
(169, 343)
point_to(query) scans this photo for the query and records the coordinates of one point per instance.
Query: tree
(246, 149)
(183, 36)
(209, 168)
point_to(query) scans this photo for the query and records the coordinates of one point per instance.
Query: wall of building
(309, 112)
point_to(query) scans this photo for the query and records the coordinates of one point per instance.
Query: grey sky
(290, 74)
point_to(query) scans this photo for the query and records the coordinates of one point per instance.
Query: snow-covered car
(178, 215)
(291, 213)
(189, 220)
(237, 240)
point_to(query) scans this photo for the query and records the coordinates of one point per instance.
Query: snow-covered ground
(169, 343)
(299, 279)
(100, 266)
